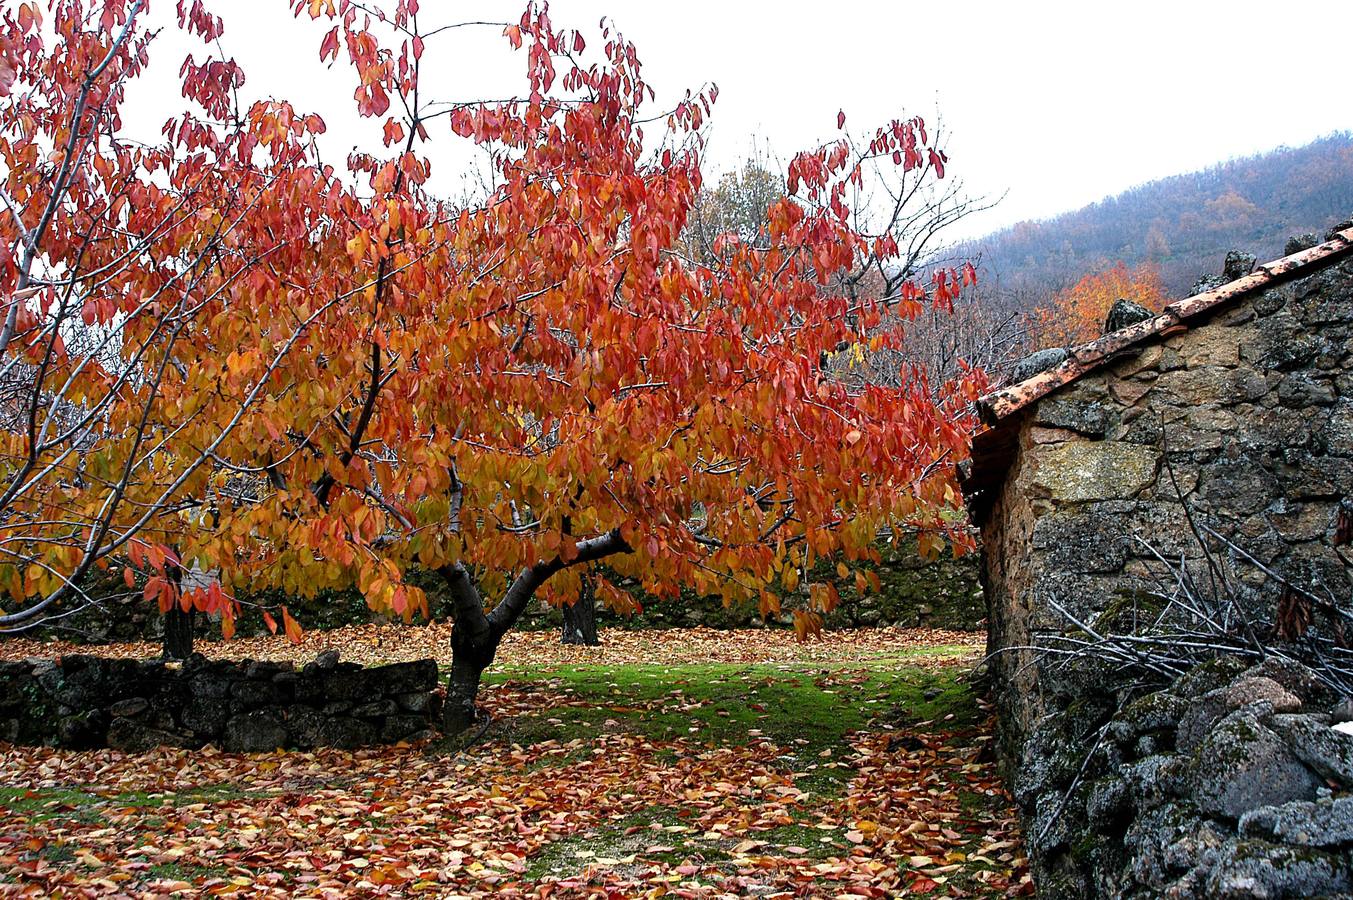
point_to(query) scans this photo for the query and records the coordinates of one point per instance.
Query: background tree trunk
(580, 618)
(178, 622)
(178, 633)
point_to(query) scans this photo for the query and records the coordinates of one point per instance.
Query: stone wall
(82, 702)
(1248, 417)
(1232, 783)
(939, 593)
(915, 592)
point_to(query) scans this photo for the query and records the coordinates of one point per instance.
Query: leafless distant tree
(915, 208)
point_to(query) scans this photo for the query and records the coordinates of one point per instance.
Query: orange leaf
(293, 628)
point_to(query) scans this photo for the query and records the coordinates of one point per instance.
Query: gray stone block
(1034, 363)
(254, 732)
(376, 709)
(1328, 752)
(1246, 692)
(1242, 765)
(1251, 869)
(1327, 822)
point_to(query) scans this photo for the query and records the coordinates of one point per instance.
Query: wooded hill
(1183, 224)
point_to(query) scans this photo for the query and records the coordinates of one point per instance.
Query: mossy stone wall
(940, 593)
(1244, 421)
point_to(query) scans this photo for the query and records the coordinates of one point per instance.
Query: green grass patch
(633, 839)
(185, 872)
(619, 840)
(804, 708)
(59, 853)
(819, 843)
(939, 698)
(822, 780)
(43, 804)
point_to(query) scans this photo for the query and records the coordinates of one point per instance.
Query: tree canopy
(309, 379)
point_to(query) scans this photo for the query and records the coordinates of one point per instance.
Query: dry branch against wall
(1200, 610)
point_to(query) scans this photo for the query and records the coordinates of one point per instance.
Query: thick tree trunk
(462, 687)
(474, 642)
(580, 618)
(475, 636)
(462, 690)
(178, 633)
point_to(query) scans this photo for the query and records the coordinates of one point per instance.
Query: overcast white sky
(1054, 104)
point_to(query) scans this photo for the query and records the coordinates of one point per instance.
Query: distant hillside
(1184, 224)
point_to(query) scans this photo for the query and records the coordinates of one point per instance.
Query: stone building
(1235, 404)
(1214, 440)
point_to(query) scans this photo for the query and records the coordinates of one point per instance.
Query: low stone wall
(939, 593)
(1230, 783)
(915, 593)
(83, 702)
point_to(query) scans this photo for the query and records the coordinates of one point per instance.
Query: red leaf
(937, 160)
(841, 119)
(329, 46)
(270, 621)
(379, 101)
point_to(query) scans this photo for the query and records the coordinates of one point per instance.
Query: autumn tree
(509, 392)
(1077, 314)
(145, 317)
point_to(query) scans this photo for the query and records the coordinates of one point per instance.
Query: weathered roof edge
(1001, 404)
(999, 410)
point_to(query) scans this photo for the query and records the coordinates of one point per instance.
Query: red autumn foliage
(319, 380)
